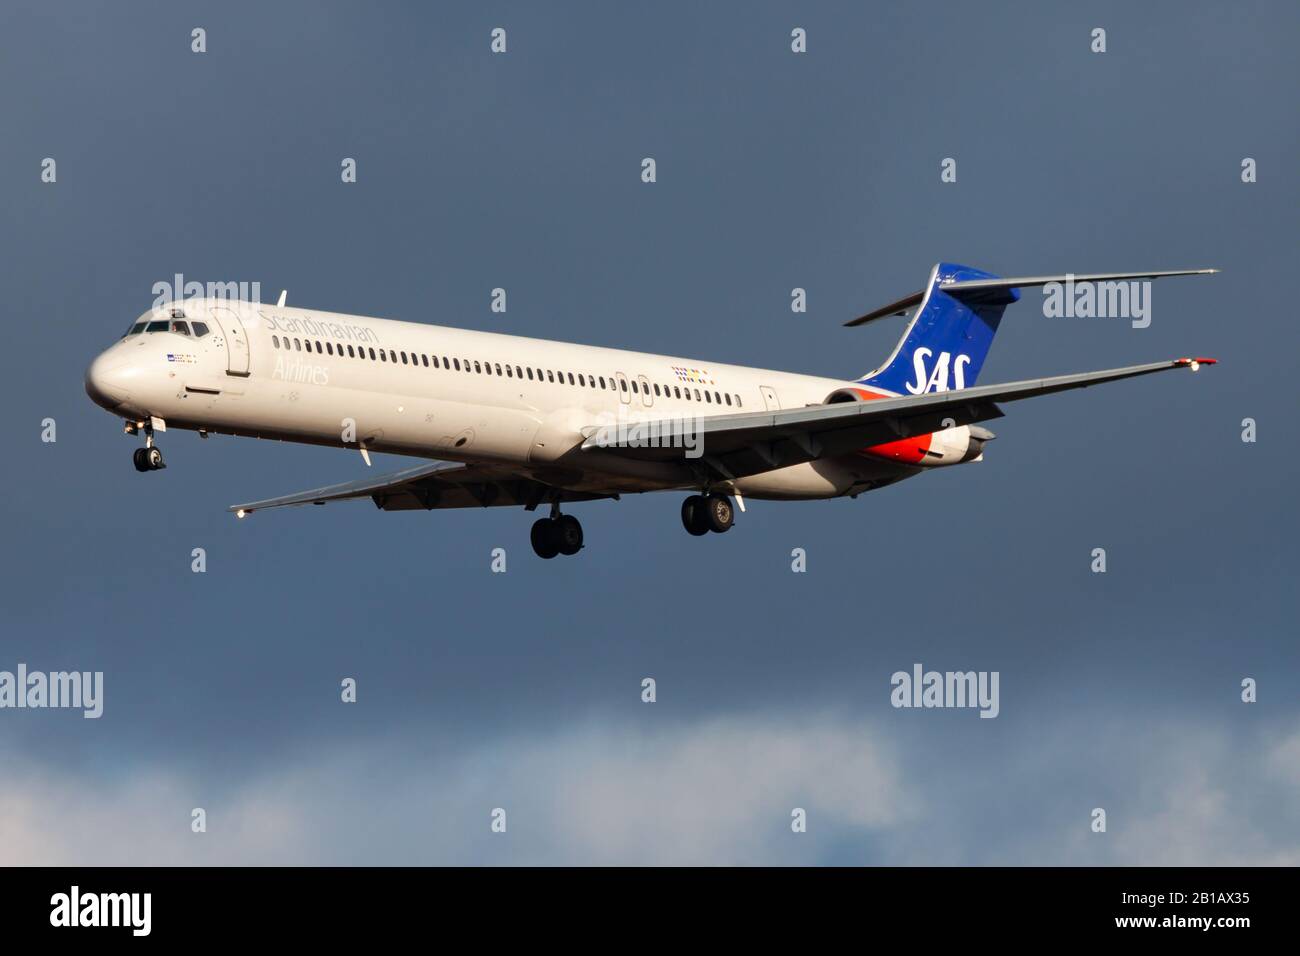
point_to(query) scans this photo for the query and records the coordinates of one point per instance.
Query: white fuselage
(451, 394)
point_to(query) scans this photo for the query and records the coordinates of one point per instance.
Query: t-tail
(945, 344)
(956, 316)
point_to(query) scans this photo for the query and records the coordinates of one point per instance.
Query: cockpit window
(200, 329)
(158, 326)
(136, 329)
(182, 327)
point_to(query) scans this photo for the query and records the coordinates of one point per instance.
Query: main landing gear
(704, 513)
(148, 458)
(558, 534)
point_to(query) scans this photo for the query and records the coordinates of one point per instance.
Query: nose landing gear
(558, 534)
(148, 458)
(704, 513)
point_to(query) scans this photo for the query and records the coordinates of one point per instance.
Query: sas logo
(936, 379)
(178, 357)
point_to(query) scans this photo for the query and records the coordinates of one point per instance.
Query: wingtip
(1195, 363)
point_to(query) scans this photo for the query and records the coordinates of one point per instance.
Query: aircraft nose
(106, 381)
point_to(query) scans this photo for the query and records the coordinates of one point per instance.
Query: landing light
(241, 513)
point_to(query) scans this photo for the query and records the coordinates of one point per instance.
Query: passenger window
(677, 392)
(372, 355)
(738, 402)
(571, 381)
(550, 376)
(530, 375)
(728, 398)
(424, 358)
(510, 373)
(403, 358)
(478, 368)
(622, 384)
(297, 345)
(706, 397)
(275, 341)
(319, 350)
(717, 398)
(519, 373)
(329, 348)
(581, 381)
(656, 388)
(498, 367)
(382, 356)
(602, 381)
(445, 363)
(697, 394)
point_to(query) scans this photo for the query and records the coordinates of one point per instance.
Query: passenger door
(770, 401)
(646, 398)
(232, 331)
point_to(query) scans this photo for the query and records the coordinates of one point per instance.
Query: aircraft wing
(442, 484)
(744, 444)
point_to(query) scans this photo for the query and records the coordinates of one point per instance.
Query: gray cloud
(713, 793)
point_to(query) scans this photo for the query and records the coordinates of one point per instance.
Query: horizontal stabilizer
(961, 288)
(988, 285)
(894, 308)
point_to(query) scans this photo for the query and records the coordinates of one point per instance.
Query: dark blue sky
(775, 170)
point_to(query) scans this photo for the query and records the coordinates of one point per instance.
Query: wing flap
(433, 486)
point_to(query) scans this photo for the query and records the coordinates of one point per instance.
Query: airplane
(514, 421)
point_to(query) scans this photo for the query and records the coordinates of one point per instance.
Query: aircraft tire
(694, 515)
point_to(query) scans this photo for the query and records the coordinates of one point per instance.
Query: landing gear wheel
(721, 516)
(139, 461)
(567, 532)
(545, 540)
(695, 517)
(153, 458)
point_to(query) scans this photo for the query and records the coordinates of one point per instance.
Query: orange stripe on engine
(910, 451)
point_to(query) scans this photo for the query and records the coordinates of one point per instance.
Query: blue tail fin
(945, 344)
